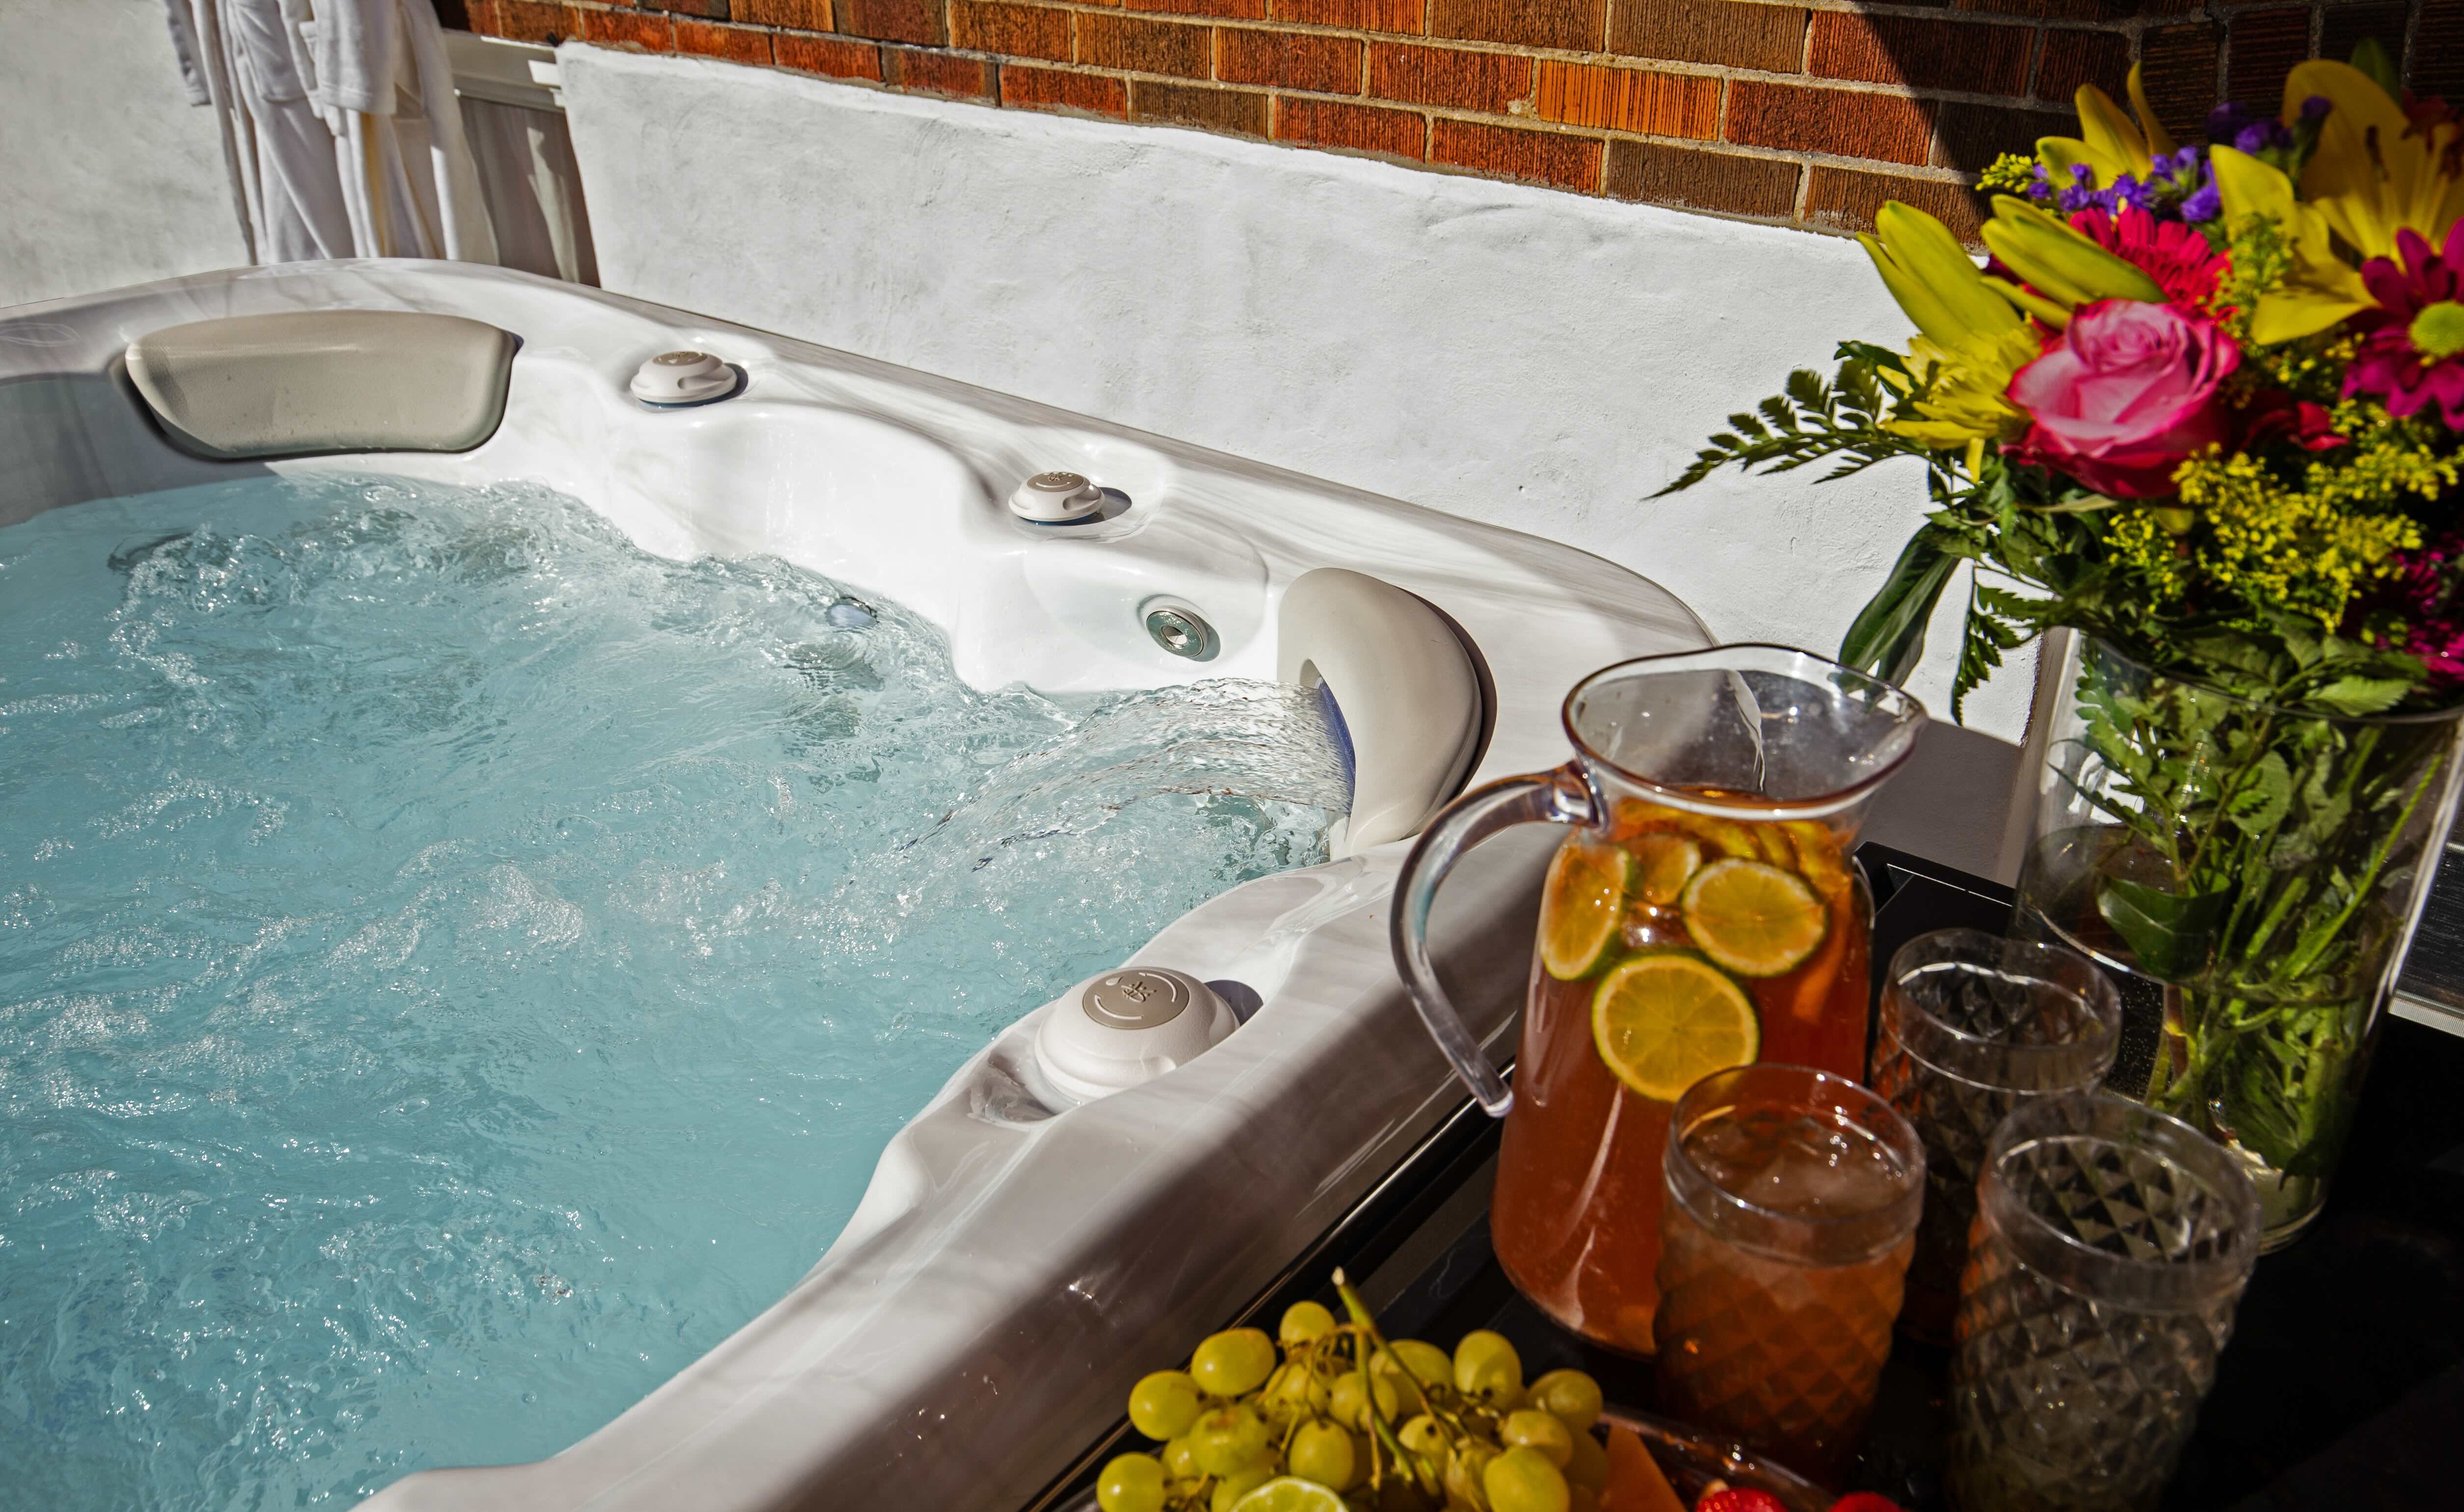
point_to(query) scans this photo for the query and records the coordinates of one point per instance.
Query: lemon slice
(1663, 863)
(1582, 906)
(1754, 919)
(1290, 1494)
(1664, 1022)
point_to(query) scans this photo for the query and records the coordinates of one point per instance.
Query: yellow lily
(2318, 288)
(2066, 268)
(2108, 144)
(2374, 172)
(1970, 338)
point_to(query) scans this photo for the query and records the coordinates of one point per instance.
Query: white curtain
(339, 126)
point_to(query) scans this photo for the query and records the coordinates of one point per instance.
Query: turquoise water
(455, 968)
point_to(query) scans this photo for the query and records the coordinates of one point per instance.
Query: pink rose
(2125, 394)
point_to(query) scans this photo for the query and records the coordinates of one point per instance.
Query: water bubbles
(417, 897)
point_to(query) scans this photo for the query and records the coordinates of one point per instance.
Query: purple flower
(2204, 206)
(2316, 107)
(2247, 129)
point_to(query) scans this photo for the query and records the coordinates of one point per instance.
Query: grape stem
(1367, 1347)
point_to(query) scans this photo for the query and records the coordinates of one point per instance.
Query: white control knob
(683, 377)
(1124, 1027)
(1056, 498)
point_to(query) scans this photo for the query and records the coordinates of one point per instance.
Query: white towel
(341, 126)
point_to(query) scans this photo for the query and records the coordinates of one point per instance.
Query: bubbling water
(455, 968)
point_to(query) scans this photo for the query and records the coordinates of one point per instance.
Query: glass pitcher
(1702, 914)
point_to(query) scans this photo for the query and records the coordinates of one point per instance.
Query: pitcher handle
(1562, 796)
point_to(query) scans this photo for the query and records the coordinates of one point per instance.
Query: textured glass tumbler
(2111, 1245)
(1791, 1204)
(1973, 1025)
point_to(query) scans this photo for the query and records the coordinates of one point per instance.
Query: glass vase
(2254, 873)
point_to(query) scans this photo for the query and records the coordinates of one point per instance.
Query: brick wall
(1810, 113)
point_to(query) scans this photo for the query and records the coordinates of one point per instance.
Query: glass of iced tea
(1702, 914)
(1792, 1203)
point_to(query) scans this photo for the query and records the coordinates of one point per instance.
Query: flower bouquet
(2202, 404)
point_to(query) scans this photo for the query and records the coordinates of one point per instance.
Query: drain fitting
(1180, 629)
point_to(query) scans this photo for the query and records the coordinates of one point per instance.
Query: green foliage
(1810, 420)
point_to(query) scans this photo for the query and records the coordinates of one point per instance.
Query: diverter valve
(1114, 1031)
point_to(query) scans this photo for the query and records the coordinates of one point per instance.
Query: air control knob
(1123, 1027)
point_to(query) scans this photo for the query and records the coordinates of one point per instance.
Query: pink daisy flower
(2413, 347)
(2173, 252)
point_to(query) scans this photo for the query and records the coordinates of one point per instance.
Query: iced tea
(1681, 942)
(1792, 1211)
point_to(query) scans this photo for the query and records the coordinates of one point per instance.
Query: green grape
(1130, 1484)
(1164, 1404)
(1303, 1321)
(1466, 1478)
(1228, 1439)
(1411, 1364)
(1532, 1429)
(1292, 1392)
(1241, 1483)
(1323, 1453)
(1571, 1395)
(1422, 1436)
(1587, 1466)
(1486, 1369)
(1522, 1481)
(1232, 1363)
(1348, 1401)
(1180, 1459)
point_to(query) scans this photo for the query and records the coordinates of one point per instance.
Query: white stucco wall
(107, 175)
(1522, 356)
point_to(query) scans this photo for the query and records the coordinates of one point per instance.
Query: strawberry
(1738, 1498)
(1865, 1501)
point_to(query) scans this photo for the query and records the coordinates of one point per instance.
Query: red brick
(2261, 48)
(1847, 124)
(1020, 31)
(831, 56)
(1366, 15)
(523, 20)
(1771, 38)
(1578, 24)
(2077, 10)
(1330, 65)
(1630, 99)
(2074, 57)
(1241, 111)
(1969, 136)
(1977, 57)
(1845, 199)
(737, 44)
(623, 29)
(1545, 157)
(2438, 51)
(1691, 179)
(804, 15)
(1448, 75)
(2342, 28)
(706, 9)
(895, 20)
(2178, 64)
(1230, 9)
(1058, 89)
(1146, 46)
(940, 73)
(1360, 128)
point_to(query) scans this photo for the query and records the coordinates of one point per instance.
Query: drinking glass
(2111, 1245)
(1703, 913)
(1971, 1026)
(1793, 1201)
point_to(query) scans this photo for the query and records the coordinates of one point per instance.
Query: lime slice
(1582, 906)
(1754, 919)
(1662, 864)
(1664, 1022)
(1290, 1494)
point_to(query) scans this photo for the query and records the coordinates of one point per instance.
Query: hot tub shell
(1010, 1269)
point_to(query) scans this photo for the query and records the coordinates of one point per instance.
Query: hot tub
(1017, 1259)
